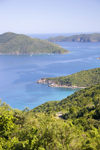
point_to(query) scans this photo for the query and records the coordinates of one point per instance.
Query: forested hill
(80, 79)
(11, 43)
(82, 103)
(95, 37)
(70, 124)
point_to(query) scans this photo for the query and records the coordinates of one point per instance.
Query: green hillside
(95, 37)
(76, 105)
(11, 43)
(80, 79)
(77, 127)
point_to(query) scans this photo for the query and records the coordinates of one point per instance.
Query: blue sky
(49, 16)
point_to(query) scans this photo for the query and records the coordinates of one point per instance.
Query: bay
(18, 74)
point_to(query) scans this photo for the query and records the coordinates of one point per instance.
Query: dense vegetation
(80, 79)
(78, 127)
(11, 43)
(95, 37)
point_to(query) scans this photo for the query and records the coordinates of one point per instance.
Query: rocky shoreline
(51, 83)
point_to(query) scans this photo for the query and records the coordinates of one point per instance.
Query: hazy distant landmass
(12, 43)
(46, 36)
(94, 37)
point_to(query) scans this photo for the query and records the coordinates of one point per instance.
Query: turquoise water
(18, 74)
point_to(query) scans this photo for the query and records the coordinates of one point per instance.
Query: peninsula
(80, 79)
(17, 44)
(94, 37)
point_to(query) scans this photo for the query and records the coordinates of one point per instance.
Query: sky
(49, 16)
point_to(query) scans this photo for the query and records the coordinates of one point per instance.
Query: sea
(19, 74)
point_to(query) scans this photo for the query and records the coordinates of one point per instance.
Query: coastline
(31, 54)
(51, 83)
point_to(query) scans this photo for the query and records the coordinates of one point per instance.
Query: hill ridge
(12, 43)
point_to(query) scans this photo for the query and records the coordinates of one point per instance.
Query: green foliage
(78, 127)
(48, 107)
(6, 124)
(80, 79)
(11, 43)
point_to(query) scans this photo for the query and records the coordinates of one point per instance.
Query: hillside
(95, 37)
(80, 79)
(11, 43)
(78, 128)
(75, 106)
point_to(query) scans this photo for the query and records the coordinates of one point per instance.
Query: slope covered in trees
(80, 79)
(11, 43)
(78, 128)
(95, 37)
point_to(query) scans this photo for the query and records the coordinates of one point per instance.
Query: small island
(94, 37)
(80, 79)
(19, 44)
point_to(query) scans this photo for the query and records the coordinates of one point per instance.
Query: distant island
(16, 44)
(80, 79)
(94, 37)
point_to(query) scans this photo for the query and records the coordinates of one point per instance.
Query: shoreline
(32, 54)
(51, 83)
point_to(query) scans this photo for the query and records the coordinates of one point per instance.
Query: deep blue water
(18, 74)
